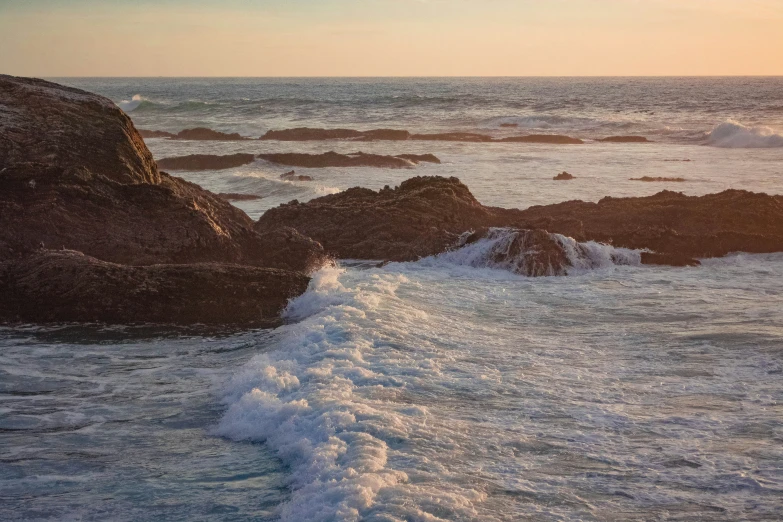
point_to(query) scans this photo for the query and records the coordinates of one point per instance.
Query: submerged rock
(419, 158)
(553, 139)
(310, 134)
(649, 179)
(155, 134)
(64, 285)
(293, 176)
(625, 139)
(233, 196)
(205, 162)
(202, 133)
(452, 136)
(509, 125)
(333, 159)
(75, 174)
(563, 176)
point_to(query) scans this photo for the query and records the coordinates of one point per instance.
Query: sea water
(449, 388)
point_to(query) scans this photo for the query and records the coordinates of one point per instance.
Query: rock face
(357, 159)
(425, 216)
(57, 286)
(75, 174)
(205, 162)
(421, 217)
(625, 139)
(563, 176)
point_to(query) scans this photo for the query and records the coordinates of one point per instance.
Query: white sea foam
(326, 402)
(734, 135)
(129, 105)
(518, 251)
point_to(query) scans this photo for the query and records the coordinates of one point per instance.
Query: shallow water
(441, 389)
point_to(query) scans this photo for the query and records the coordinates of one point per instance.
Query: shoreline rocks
(195, 162)
(234, 196)
(563, 176)
(357, 159)
(624, 139)
(76, 175)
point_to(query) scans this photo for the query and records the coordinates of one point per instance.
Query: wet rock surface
(625, 139)
(563, 176)
(234, 196)
(205, 162)
(75, 174)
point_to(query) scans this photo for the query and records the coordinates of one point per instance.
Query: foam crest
(535, 253)
(133, 103)
(735, 135)
(325, 402)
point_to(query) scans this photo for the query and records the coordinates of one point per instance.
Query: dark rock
(419, 158)
(333, 159)
(452, 136)
(309, 134)
(67, 286)
(155, 134)
(205, 162)
(649, 179)
(202, 133)
(553, 139)
(385, 135)
(233, 196)
(509, 125)
(563, 176)
(75, 174)
(425, 215)
(625, 139)
(652, 258)
(292, 176)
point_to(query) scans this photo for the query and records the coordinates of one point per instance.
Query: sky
(53, 38)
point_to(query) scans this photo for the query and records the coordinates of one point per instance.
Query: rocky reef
(76, 175)
(564, 176)
(205, 162)
(426, 216)
(624, 139)
(311, 134)
(357, 159)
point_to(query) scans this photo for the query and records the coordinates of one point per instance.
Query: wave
(734, 135)
(535, 253)
(132, 104)
(329, 401)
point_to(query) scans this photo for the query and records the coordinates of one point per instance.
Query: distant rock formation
(552, 139)
(625, 139)
(293, 176)
(563, 176)
(310, 134)
(649, 179)
(233, 196)
(509, 125)
(202, 133)
(333, 159)
(75, 175)
(205, 162)
(452, 136)
(155, 134)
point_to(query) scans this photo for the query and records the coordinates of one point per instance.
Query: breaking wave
(536, 253)
(732, 134)
(132, 104)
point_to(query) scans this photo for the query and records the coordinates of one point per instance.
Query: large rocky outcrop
(75, 174)
(424, 215)
(64, 285)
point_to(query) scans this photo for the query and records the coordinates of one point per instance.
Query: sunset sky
(390, 37)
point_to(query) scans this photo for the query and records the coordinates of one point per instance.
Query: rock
(421, 217)
(75, 174)
(509, 125)
(310, 134)
(419, 158)
(205, 162)
(649, 179)
(625, 139)
(425, 216)
(452, 136)
(563, 176)
(64, 286)
(333, 159)
(233, 196)
(155, 134)
(652, 258)
(202, 133)
(554, 139)
(292, 176)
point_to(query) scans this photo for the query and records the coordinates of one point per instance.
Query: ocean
(442, 389)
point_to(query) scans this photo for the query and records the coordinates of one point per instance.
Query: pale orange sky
(391, 37)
